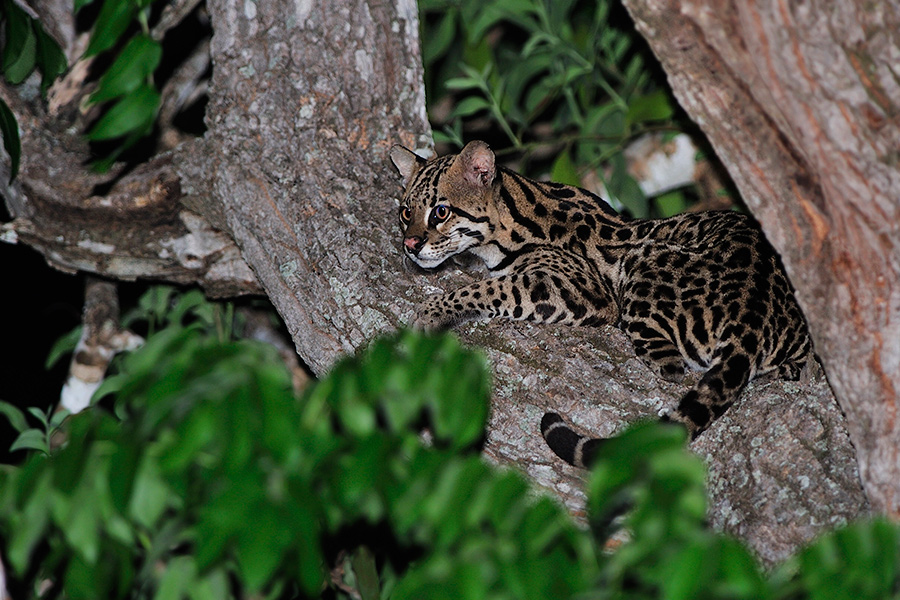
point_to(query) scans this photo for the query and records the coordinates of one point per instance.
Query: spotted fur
(703, 291)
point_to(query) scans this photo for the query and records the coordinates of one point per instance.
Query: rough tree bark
(802, 103)
(293, 180)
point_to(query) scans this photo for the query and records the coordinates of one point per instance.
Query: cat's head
(445, 209)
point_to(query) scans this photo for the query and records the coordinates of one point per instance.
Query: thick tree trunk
(305, 101)
(802, 103)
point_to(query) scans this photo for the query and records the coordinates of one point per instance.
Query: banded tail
(716, 391)
(575, 449)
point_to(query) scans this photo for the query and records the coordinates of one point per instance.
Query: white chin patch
(424, 262)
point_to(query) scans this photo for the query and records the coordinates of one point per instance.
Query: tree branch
(136, 227)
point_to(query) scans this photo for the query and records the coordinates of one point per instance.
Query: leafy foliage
(32, 438)
(164, 305)
(128, 96)
(159, 306)
(209, 467)
(573, 68)
(128, 83)
(200, 475)
(859, 561)
(26, 47)
(647, 472)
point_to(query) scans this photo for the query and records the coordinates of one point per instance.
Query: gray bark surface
(293, 179)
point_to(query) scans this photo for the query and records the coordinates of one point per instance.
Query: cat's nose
(413, 243)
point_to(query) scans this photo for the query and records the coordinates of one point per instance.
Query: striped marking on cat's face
(440, 216)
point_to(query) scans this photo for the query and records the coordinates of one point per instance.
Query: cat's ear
(406, 161)
(476, 164)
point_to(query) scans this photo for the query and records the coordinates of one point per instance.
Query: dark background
(37, 306)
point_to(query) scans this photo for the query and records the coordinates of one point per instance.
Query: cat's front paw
(427, 322)
(439, 313)
(432, 315)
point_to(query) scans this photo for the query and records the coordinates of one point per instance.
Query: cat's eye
(405, 214)
(440, 213)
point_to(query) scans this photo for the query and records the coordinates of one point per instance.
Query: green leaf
(671, 203)
(81, 526)
(443, 137)
(525, 79)
(212, 586)
(635, 453)
(150, 495)
(59, 415)
(607, 121)
(110, 385)
(739, 572)
(461, 414)
(260, 547)
(31, 439)
(861, 560)
(177, 579)
(51, 60)
(356, 413)
(113, 20)
(364, 568)
(21, 44)
(564, 170)
(132, 112)
(11, 142)
(82, 580)
(62, 346)
(40, 415)
(123, 464)
(138, 59)
(22, 60)
(435, 45)
(686, 572)
(192, 303)
(489, 16)
(654, 106)
(625, 189)
(629, 193)
(15, 416)
(79, 4)
(153, 305)
(463, 83)
(305, 529)
(32, 520)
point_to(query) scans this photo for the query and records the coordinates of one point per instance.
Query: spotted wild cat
(699, 290)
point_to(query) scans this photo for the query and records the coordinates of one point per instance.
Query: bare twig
(172, 15)
(188, 83)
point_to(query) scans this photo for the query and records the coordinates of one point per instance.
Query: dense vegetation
(561, 87)
(199, 473)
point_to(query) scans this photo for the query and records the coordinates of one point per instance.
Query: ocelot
(698, 290)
